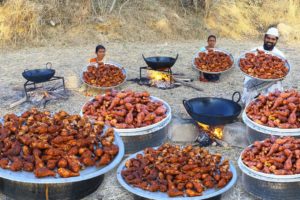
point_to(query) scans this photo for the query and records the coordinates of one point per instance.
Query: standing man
(253, 87)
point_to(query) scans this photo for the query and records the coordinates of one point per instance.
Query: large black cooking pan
(39, 75)
(213, 111)
(160, 62)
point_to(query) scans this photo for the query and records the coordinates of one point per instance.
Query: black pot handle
(48, 63)
(144, 57)
(176, 57)
(28, 72)
(239, 96)
(186, 104)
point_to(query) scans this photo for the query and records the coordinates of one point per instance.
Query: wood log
(187, 84)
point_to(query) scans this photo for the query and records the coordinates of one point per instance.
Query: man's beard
(269, 46)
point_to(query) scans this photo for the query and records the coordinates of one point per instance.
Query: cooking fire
(159, 79)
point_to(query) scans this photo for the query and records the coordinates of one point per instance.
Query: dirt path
(68, 61)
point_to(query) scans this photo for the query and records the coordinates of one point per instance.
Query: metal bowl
(258, 132)
(269, 186)
(104, 88)
(207, 194)
(268, 52)
(136, 139)
(219, 50)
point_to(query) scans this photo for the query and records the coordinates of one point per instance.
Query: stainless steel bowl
(257, 132)
(104, 88)
(219, 50)
(212, 193)
(287, 64)
(269, 186)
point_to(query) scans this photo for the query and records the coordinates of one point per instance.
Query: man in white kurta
(254, 87)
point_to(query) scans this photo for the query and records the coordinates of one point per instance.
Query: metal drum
(257, 132)
(269, 186)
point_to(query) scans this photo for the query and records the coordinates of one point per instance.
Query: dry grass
(251, 18)
(20, 21)
(38, 21)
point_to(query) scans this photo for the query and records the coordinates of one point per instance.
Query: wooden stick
(18, 102)
(187, 84)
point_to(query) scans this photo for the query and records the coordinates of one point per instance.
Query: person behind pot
(211, 43)
(100, 54)
(254, 87)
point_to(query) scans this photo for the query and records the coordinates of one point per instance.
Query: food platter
(104, 88)
(138, 131)
(218, 50)
(262, 79)
(209, 193)
(87, 173)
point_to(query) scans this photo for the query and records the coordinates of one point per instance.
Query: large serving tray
(87, 173)
(267, 52)
(164, 196)
(104, 88)
(207, 72)
(142, 130)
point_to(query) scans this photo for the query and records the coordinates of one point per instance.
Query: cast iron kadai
(160, 62)
(39, 75)
(213, 111)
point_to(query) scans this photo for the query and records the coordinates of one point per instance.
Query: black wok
(160, 62)
(213, 111)
(39, 75)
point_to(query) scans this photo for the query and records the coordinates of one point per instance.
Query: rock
(235, 134)
(182, 131)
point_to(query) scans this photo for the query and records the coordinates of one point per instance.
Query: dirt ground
(69, 60)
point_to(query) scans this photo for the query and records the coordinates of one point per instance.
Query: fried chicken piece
(65, 173)
(28, 166)
(17, 164)
(51, 164)
(4, 163)
(192, 193)
(98, 152)
(14, 150)
(43, 172)
(73, 163)
(174, 193)
(111, 150)
(104, 160)
(40, 145)
(88, 161)
(62, 163)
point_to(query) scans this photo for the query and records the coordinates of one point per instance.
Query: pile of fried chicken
(125, 109)
(263, 65)
(49, 144)
(277, 109)
(279, 156)
(213, 61)
(103, 75)
(177, 171)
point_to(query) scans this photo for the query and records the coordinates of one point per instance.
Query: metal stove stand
(28, 84)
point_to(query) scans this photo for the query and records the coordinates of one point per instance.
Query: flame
(158, 78)
(216, 132)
